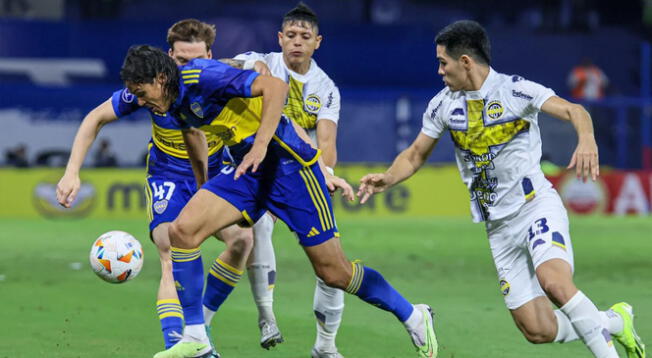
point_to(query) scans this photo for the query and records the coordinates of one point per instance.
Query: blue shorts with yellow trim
(300, 199)
(166, 197)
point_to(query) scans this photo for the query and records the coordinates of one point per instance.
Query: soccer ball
(116, 257)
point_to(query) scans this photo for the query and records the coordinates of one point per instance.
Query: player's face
(151, 95)
(451, 70)
(183, 51)
(298, 40)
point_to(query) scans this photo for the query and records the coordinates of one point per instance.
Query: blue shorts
(300, 199)
(166, 197)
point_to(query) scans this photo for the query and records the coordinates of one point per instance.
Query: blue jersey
(216, 97)
(167, 154)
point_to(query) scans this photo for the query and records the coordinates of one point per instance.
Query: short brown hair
(191, 30)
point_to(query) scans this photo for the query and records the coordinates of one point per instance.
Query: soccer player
(313, 103)
(170, 184)
(274, 168)
(492, 118)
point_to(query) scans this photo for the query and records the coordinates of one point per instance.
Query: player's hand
(67, 189)
(371, 184)
(251, 160)
(261, 67)
(585, 160)
(334, 182)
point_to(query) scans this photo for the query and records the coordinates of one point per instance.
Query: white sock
(415, 320)
(195, 333)
(262, 268)
(585, 318)
(208, 315)
(612, 321)
(566, 333)
(328, 305)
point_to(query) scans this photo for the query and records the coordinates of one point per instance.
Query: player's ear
(280, 38)
(161, 78)
(318, 39)
(209, 54)
(170, 52)
(466, 61)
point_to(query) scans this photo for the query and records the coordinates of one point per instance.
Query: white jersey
(497, 141)
(312, 96)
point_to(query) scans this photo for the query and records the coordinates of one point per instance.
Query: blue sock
(219, 283)
(171, 316)
(188, 271)
(371, 287)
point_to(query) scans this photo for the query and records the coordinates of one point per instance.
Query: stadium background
(59, 59)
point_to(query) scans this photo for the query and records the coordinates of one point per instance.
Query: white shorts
(521, 242)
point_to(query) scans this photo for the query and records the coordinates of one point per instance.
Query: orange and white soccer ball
(116, 257)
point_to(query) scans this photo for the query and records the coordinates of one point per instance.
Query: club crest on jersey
(312, 103)
(196, 109)
(504, 287)
(495, 109)
(127, 97)
(160, 206)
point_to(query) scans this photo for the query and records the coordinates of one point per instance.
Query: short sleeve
(330, 109)
(527, 97)
(433, 123)
(124, 103)
(220, 80)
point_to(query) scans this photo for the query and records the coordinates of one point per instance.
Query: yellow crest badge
(495, 109)
(312, 103)
(197, 110)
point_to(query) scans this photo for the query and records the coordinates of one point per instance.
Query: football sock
(566, 333)
(371, 287)
(220, 282)
(188, 273)
(585, 318)
(328, 305)
(261, 268)
(171, 316)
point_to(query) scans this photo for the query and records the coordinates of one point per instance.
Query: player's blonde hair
(191, 30)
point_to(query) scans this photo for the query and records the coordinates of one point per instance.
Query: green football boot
(628, 337)
(427, 348)
(186, 350)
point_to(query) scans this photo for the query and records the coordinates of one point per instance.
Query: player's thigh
(536, 320)
(517, 278)
(205, 214)
(165, 199)
(547, 232)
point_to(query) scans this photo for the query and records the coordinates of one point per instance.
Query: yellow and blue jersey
(167, 153)
(217, 98)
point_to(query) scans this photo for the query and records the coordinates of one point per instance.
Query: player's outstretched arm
(197, 148)
(68, 186)
(274, 92)
(585, 158)
(404, 166)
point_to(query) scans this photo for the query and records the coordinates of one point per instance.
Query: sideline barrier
(434, 191)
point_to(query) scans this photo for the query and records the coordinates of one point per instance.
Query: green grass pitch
(50, 309)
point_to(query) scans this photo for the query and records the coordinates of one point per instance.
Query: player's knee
(180, 235)
(559, 292)
(333, 277)
(241, 243)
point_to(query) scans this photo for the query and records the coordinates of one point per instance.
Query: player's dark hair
(191, 30)
(144, 63)
(466, 37)
(301, 15)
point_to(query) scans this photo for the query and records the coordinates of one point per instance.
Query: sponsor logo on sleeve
(519, 94)
(127, 97)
